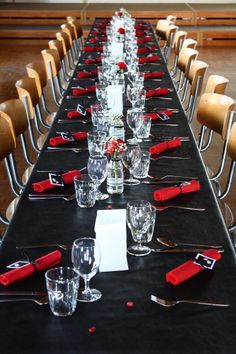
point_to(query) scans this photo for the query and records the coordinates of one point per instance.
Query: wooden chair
(161, 28)
(195, 77)
(179, 38)
(171, 18)
(77, 30)
(69, 30)
(66, 45)
(189, 43)
(170, 35)
(216, 112)
(66, 73)
(186, 57)
(28, 94)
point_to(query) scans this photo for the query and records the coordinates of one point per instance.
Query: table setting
(118, 223)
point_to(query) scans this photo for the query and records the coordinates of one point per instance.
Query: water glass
(62, 286)
(142, 168)
(143, 131)
(85, 190)
(96, 143)
(96, 112)
(97, 166)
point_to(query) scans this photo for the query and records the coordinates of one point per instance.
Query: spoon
(168, 243)
(39, 301)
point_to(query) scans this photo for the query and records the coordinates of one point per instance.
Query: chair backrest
(161, 28)
(186, 56)
(27, 88)
(179, 38)
(57, 45)
(51, 61)
(7, 138)
(189, 43)
(170, 33)
(14, 112)
(68, 29)
(196, 76)
(64, 38)
(171, 18)
(36, 70)
(214, 111)
(216, 84)
(231, 147)
(76, 26)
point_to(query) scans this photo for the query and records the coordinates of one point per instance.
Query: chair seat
(11, 208)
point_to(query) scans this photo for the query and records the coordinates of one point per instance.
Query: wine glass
(134, 119)
(140, 217)
(86, 260)
(133, 94)
(131, 158)
(97, 166)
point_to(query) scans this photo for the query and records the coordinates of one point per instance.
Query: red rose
(120, 13)
(122, 65)
(121, 30)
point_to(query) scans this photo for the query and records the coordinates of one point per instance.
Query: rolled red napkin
(83, 91)
(67, 177)
(93, 61)
(141, 27)
(42, 263)
(165, 145)
(97, 33)
(97, 40)
(100, 25)
(145, 40)
(150, 59)
(156, 115)
(87, 74)
(59, 140)
(153, 75)
(150, 49)
(92, 49)
(189, 268)
(171, 192)
(76, 114)
(157, 92)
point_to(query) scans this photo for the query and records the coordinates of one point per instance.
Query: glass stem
(86, 285)
(131, 178)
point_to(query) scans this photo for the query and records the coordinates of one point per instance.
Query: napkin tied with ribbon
(150, 59)
(42, 263)
(67, 177)
(83, 91)
(157, 92)
(165, 145)
(93, 61)
(97, 33)
(87, 74)
(97, 40)
(76, 114)
(92, 49)
(151, 48)
(171, 192)
(145, 40)
(153, 75)
(189, 268)
(157, 115)
(59, 140)
(141, 27)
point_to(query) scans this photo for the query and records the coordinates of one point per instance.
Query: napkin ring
(204, 261)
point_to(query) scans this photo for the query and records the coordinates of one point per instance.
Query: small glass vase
(115, 176)
(117, 131)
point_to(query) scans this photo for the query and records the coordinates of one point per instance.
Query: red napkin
(189, 268)
(166, 145)
(153, 75)
(76, 114)
(100, 26)
(157, 92)
(97, 33)
(85, 74)
(93, 61)
(145, 40)
(97, 40)
(42, 263)
(83, 91)
(58, 140)
(140, 27)
(151, 59)
(152, 48)
(92, 49)
(171, 192)
(67, 177)
(156, 115)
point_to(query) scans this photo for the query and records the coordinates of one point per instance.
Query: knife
(153, 183)
(18, 293)
(182, 250)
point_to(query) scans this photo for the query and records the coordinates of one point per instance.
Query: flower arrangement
(121, 30)
(121, 66)
(114, 118)
(115, 147)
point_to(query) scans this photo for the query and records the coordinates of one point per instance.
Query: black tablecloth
(146, 327)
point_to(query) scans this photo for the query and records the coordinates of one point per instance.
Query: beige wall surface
(124, 1)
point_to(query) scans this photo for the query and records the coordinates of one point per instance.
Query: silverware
(18, 293)
(153, 183)
(170, 158)
(165, 125)
(59, 171)
(182, 250)
(76, 150)
(162, 208)
(39, 301)
(79, 120)
(160, 98)
(171, 176)
(70, 97)
(169, 137)
(65, 247)
(66, 197)
(168, 243)
(170, 303)
(157, 109)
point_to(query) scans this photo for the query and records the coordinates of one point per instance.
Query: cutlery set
(171, 303)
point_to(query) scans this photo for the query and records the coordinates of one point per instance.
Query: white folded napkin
(115, 98)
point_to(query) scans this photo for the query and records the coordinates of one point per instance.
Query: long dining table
(144, 327)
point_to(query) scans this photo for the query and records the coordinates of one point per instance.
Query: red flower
(120, 13)
(115, 146)
(121, 30)
(122, 65)
(130, 304)
(92, 329)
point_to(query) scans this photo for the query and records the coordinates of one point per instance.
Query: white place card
(110, 229)
(115, 98)
(117, 49)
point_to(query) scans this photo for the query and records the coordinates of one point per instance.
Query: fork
(170, 157)
(170, 176)
(159, 97)
(39, 300)
(170, 303)
(73, 121)
(162, 208)
(64, 247)
(55, 148)
(66, 197)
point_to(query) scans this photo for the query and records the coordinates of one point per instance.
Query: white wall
(125, 1)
